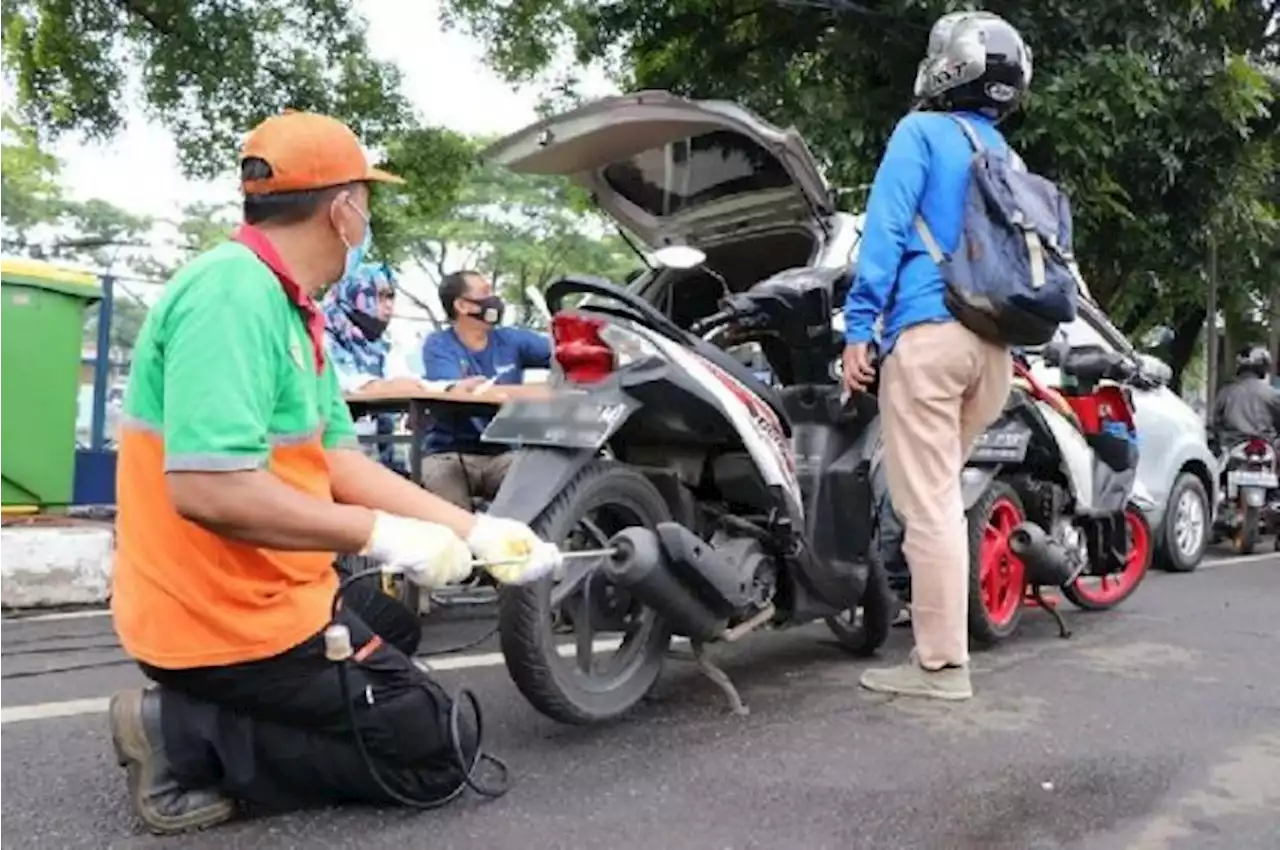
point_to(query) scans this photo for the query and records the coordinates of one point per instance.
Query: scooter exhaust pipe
(639, 566)
(1047, 561)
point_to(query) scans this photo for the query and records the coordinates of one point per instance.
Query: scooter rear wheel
(588, 686)
(1245, 539)
(865, 629)
(1109, 591)
(997, 579)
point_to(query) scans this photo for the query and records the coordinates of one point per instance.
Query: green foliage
(1157, 117)
(435, 163)
(522, 231)
(137, 250)
(29, 188)
(203, 226)
(208, 70)
(94, 232)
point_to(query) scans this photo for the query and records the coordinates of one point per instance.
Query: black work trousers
(277, 733)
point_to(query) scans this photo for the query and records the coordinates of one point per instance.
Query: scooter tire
(1137, 564)
(1246, 538)
(862, 636)
(525, 616)
(988, 628)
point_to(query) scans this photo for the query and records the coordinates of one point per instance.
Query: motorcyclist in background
(1250, 406)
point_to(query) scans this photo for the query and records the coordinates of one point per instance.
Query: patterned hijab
(358, 292)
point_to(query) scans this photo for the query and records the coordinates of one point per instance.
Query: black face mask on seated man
(491, 309)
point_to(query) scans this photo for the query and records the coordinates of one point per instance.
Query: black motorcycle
(716, 504)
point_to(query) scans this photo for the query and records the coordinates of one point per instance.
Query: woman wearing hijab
(357, 310)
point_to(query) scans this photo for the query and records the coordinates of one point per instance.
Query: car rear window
(682, 175)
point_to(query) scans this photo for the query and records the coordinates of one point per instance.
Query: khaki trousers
(941, 387)
(445, 475)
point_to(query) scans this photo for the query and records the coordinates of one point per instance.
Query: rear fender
(536, 477)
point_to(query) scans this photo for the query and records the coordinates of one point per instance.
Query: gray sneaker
(912, 680)
(160, 801)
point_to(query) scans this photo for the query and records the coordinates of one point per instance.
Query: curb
(55, 565)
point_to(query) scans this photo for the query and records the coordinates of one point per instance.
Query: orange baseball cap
(307, 151)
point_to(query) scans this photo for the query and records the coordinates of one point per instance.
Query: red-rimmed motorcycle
(1051, 493)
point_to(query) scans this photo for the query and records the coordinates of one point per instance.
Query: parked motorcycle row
(724, 505)
(724, 497)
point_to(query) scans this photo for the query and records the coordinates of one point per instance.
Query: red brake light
(579, 349)
(1256, 447)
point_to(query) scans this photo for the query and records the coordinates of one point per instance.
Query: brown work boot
(159, 800)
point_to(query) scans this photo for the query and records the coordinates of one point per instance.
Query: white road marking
(98, 705)
(1235, 560)
(1208, 563)
(48, 710)
(61, 615)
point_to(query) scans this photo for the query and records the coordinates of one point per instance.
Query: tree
(203, 226)
(30, 193)
(522, 231)
(42, 221)
(208, 71)
(1154, 116)
(434, 163)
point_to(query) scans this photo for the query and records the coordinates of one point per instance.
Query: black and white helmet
(976, 62)
(1253, 360)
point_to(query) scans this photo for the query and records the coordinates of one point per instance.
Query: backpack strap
(969, 133)
(926, 235)
(931, 245)
(1015, 161)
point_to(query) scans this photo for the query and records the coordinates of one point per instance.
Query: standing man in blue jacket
(942, 385)
(474, 350)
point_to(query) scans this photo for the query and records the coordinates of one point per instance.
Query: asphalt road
(1157, 726)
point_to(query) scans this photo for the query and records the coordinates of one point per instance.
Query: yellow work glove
(517, 555)
(429, 555)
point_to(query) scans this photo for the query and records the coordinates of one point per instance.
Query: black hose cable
(462, 647)
(503, 783)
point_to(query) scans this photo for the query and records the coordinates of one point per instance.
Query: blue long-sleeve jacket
(925, 170)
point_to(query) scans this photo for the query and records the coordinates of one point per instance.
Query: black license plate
(569, 420)
(1002, 444)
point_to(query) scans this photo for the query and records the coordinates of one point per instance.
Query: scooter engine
(699, 588)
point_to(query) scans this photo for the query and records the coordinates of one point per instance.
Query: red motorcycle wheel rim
(1002, 575)
(1104, 590)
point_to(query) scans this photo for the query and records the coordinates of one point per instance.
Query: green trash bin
(43, 327)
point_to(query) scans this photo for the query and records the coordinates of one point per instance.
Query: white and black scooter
(1052, 495)
(1249, 495)
(717, 504)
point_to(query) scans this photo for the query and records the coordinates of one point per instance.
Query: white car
(751, 197)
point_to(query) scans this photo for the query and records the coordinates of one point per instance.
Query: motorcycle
(715, 504)
(1051, 495)
(1249, 495)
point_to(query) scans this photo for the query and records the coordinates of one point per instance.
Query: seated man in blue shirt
(473, 351)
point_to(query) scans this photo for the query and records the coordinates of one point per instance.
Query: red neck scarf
(258, 242)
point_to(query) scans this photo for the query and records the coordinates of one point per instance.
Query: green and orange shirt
(227, 375)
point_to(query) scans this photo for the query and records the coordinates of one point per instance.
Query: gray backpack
(1012, 279)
